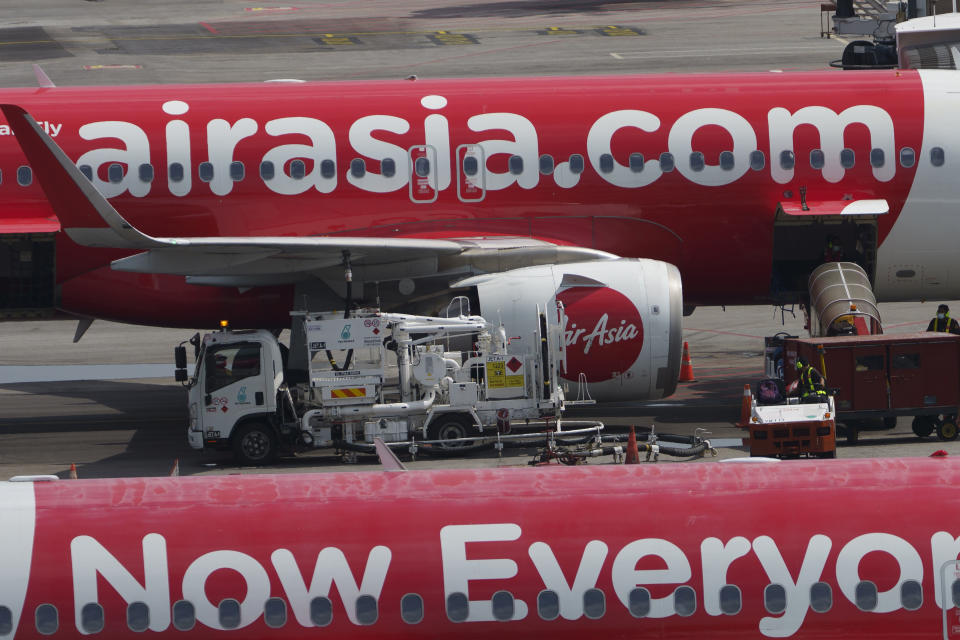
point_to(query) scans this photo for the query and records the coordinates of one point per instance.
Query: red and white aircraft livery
(242, 201)
(860, 549)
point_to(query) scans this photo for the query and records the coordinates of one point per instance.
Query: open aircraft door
(423, 173)
(471, 182)
(950, 599)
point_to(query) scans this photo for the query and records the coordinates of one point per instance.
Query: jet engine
(621, 321)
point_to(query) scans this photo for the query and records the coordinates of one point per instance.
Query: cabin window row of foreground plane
(471, 166)
(366, 607)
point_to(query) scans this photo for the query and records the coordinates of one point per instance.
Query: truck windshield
(229, 363)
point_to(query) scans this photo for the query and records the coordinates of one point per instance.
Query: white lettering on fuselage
(226, 140)
(93, 565)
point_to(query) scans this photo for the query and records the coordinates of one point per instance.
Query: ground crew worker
(810, 383)
(833, 252)
(942, 322)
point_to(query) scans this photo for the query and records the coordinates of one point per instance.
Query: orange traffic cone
(175, 470)
(633, 455)
(686, 367)
(73, 471)
(746, 404)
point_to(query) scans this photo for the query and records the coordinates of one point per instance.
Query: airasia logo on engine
(603, 332)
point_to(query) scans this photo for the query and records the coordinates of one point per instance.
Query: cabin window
(955, 593)
(237, 171)
(422, 167)
(697, 162)
(639, 602)
(787, 160)
(175, 172)
(636, 162)
(115, 173)
(321, 611)
(205, 171)
(821, 597)
(937, 156)
(685, 601)
(184, 615)
(358, 168)
(908, 157)
(576, 163)
(727, 160)
(666, 162)
(6, 621)
(91, 618)
(24, 176)
(367, 609)
(911, 595)
(606, 163)
(471, 165)
(546, 164)
(817, 159)
(502, 604)
(266, 170)
(229, 613)
(87, 171)
(328, 169)
(757, 160)
(145, 172)
(138, 616)
(275, 613)
(548, 604)
(594, 603)
(847, 158)
(730, 599)
(227, 363)
(877, 158)
(388, 167)
(458, 607)
(775, 598)
(865, 595)
(298, 169)
(516, 165)
(46, 619)
(411, 608)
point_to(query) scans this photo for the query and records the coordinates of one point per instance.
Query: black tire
(450, 426)
(947, 430)
(853, 431)
(923, 426)
(890, 422)
(254, 444)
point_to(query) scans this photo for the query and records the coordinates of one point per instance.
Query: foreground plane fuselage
(859, 549)
(687, 169)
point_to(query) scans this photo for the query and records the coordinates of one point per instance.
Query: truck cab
(228, 402)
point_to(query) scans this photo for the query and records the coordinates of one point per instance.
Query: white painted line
(616, 55)
(696, 53)
(60, 373)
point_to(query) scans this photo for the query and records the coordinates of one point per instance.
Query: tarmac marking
(693, 53)
(725, 333)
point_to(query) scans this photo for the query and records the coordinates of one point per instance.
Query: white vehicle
(399, 379)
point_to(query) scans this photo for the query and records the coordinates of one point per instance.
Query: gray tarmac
(117, 423)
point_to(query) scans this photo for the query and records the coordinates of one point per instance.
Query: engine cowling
(623, 325)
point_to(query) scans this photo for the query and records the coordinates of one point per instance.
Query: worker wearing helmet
(942, 322)
(810, 383)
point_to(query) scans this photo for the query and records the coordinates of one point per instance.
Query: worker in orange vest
(942, 322)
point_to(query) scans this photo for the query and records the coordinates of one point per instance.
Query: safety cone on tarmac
(746, 404)
(175, 469)
(73, 471)
(633, 454)
(686, 367)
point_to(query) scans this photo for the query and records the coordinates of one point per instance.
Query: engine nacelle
(623, 327)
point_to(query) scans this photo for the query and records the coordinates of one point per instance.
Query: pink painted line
(209, 28)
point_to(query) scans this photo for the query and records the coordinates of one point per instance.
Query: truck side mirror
(180, 357)
(180, 375)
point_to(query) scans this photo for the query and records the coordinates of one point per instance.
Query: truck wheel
(255, 444)
(947, 430)
(890, 422)
(923, 426)
(450, 427)
(853, 431)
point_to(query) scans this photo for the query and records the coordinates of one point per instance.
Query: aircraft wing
(90, 220)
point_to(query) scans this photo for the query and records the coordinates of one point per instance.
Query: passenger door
(869, 379)
(471, 177)
(950, 594)
(906, 379)
(423, 173)
(234, 381)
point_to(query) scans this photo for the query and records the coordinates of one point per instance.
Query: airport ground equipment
(387, 375)
(842, 301)
(783, 427)
(882, 377)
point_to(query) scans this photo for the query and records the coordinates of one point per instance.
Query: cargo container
(882, 377)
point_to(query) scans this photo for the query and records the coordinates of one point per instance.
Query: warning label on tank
(502, 374)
